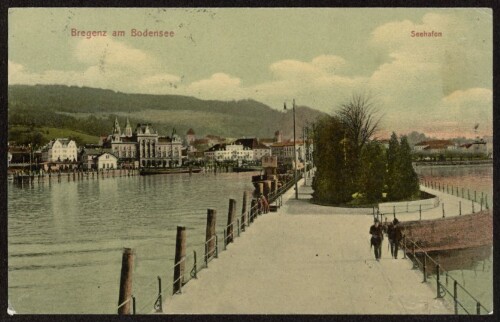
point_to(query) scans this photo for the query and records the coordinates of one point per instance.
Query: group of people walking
(393, 232)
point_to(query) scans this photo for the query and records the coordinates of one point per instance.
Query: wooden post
(231, 215)
(394, 211)
(404, 246)
(420, 211)
(260, 188)
(425, 267)
(413, 259)
(472, 206)
(267, 188)
(253, 210)
(455, 296)
(474, 195)
(481, 202)
(443, 208)
(244, 210)
(438, 285)
(274, 188)
(478, 308)
(460, 208)
(468, 194)
(210, 233)
(180, 254)
(225, 239)
(126, 281)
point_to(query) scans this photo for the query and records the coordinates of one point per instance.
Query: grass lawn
(19, 133)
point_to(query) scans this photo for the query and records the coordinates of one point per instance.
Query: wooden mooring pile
(268, 195)
(75, 175)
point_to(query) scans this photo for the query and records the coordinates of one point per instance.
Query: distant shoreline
(453, 163)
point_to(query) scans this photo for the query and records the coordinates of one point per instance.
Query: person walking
(376, 240)
(390, 237)
(397, 237)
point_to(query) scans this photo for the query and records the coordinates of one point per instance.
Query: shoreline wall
(457, 232)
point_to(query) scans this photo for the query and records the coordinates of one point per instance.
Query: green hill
(92, 111)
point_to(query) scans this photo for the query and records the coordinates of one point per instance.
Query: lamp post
(294, 153)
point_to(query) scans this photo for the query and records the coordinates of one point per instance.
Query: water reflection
(68, 235)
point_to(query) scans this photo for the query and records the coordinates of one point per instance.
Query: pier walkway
(309, 259)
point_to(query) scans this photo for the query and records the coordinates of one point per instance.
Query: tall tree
(409, 179)
(331, 180)
(392, 166)
(373, 171)
(360, 122)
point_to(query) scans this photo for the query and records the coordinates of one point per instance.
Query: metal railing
(461, 192)
(442, 287)
(210, 254)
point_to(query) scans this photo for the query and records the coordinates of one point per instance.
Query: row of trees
(352, 168)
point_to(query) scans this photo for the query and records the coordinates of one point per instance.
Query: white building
(284, 150)
(229, 152)
(60, 150)
(106, 161)
(259, 150)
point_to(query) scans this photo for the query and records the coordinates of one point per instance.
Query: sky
(320, 57)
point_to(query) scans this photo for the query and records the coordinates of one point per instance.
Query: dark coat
(390, 231)
(398, 234)
(377, 235)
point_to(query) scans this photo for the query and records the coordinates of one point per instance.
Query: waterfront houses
(259, 149)
(61, 149)
(106, 160)
(285, 150)
(229, 152)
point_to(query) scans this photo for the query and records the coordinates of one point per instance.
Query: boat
(247, 168)
(151, 171)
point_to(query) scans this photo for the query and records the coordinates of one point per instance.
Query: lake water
(472, 268)
(65, 239)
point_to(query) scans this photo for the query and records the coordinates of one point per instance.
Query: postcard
(250, 160)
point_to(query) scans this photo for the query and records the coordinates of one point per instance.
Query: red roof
(435, 144)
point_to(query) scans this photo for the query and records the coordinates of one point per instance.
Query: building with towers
(144, 147)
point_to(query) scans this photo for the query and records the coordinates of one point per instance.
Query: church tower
(116, 131)
(128, 129)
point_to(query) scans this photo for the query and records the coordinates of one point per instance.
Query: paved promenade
(309, 259)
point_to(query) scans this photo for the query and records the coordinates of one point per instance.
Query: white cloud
(106, 52)
(109, 64)
(218, 86)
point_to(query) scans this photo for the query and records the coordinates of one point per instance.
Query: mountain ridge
(92, 111)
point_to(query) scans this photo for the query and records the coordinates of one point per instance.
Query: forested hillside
(91, 111)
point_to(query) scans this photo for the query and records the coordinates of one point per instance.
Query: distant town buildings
(478, 146)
